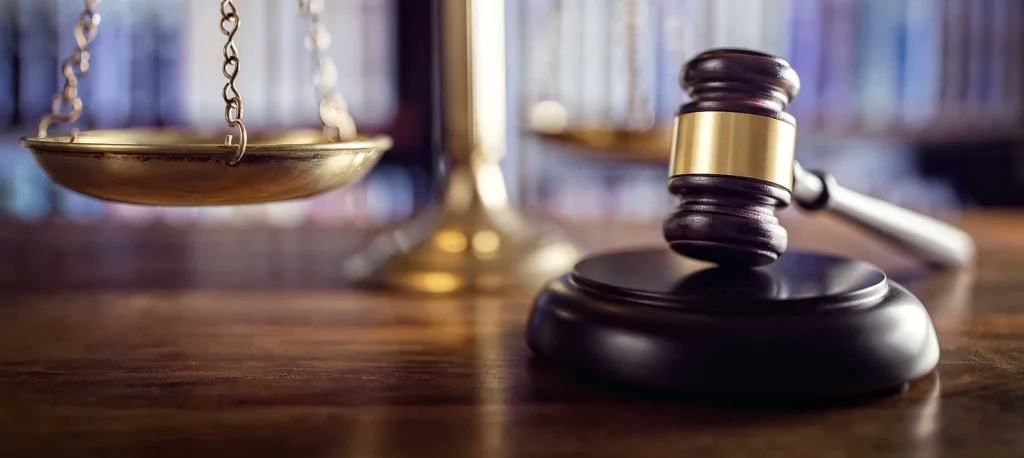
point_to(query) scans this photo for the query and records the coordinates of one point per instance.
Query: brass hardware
(643, 146)
(472, 239)
(160, 167)
(737, 144)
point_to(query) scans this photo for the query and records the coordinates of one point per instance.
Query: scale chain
(334, 116)
(74, 68)
(229, 24)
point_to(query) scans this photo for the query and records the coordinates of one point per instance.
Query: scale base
(470, 242)
(806, 327)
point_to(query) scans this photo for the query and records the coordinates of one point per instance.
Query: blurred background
(920, 102)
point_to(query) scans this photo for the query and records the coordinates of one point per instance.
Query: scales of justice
(721, 305)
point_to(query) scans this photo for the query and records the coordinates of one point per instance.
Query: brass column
(471, 239)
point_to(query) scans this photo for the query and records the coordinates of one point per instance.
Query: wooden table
(230, 342)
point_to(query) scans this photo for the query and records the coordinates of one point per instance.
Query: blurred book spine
(805, 55)
(695, 22)
(595, 59)
(617, 108)
(839, 64)
(110, 84)
(143, 66)
(37, 58)
(380, 81)
(979, 55)
(671, 53)
(879, 74)
(168, 62)
(999, 94)
(8, 54)
(1014, 101)
(881, 50)
(955, 51)
(737, 23)
(922, 72)
(776, 33)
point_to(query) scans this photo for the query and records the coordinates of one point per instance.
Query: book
(994, 104)
(671, 53)
(169, 56)
(379, 81)
(954, 69)
(805, 55)
(839, 65)
(144, 68)
(38, 58)
(979, 55)
(109, 102)
(879, 62)
(8, 55)
(617, 108)
(591, 46)
(737, 24)
(922, 72)
(1014, 107)
(776, 27)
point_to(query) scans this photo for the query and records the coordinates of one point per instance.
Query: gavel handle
(932, 240)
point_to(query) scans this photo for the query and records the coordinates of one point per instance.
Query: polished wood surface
(243, 342)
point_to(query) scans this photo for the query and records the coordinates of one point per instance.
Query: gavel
(801, 325)
(733, 166)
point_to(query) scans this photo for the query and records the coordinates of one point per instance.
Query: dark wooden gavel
(733, 166)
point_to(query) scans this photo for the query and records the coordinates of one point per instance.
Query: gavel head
(732, 158)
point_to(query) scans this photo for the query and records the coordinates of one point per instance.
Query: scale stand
(471, 239)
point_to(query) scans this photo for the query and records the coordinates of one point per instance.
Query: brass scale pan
(168, 167)
(165, 167)
(643, 146)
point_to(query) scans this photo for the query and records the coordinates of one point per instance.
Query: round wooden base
(808, 326)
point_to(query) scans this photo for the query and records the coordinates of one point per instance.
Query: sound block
(807, 326)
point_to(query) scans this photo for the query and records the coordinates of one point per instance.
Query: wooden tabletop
(232, 342)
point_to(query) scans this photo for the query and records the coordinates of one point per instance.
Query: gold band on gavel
(737, 144)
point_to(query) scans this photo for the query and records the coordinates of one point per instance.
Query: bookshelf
(926, 90)
(885, 81)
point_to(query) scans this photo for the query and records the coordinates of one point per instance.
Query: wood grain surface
(231, 342)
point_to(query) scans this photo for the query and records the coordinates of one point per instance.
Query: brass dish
(645, 146)
(166, 167)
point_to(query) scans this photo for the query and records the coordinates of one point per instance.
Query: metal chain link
(74, 68)
(229, 23)
(334, 116)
